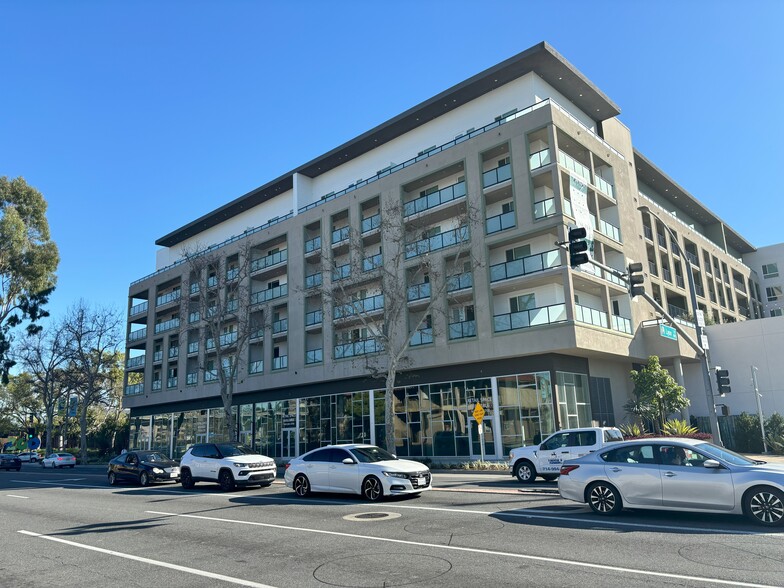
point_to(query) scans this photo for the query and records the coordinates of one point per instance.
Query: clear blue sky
(134, 118)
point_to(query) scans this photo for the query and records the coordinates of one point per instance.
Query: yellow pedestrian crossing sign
(479, 413)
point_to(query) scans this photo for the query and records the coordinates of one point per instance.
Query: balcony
(370, 223)
(167, 298)
(662, 240)
(134, 389)
(314, 356)
(174, 352)
(171, 382)
(232, 305)
(621, 324)
(157, 385)
(544, 209)
(312, 245)
(525, 265)
(313, 280)
(590, 316)
(167, 325)
(280, 326)
(137, 335)
(373, 262)
(212, 281)
(418, 292)
(533, 317)
(739, 285)
(134, 362)
(575, 166)
(193, 347)
(693, 259)
(539, 159)
(369, 304)
(497, 175)
(225, 340)
(457, 282)
(256, 367)
(436, 242)
(610, 231)
(280, 363)
(604, 186)
(652, 269)
(435, 199)
(269, 294)
(667, 275)
(500, 222)
(462, 330)
(269, 260)
(210, 376)
(341, 272)
(232, 273)
(679, 281)
(648, 232)
(315, 317)
(340, 235)
(157, 356)
(677, 311)
(192, 378)
(195, 288)
(421, 337)
(357, 348)
(138, 308)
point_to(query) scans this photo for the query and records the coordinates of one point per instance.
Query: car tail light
(565, 469)
(59, 459)
(287, 465)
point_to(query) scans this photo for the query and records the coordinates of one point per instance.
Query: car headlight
(157, 470)
(396, 475)
(239, 465)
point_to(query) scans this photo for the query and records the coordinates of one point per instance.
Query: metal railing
(157, 356)
(371, 222)
(256, 367)
(438, 198)
(312, 245)
(620, 323)
(525, 265)
(591, 316)
(356, 348)
(461, 281)
(137, 361)
(369, 304)
(341, 272)
(191, 378)
(539, 159)
(544, 208)
(157, 385)
(174, 352)
(436, 242)
(280, 363)
(314, 356)
(194, 317)
(313, 280)
(167, 298)
(269, 294)
(462, 329)
(193, 347)
(171, 382)
(269, 260)
(166, 325)
(418, 291)
(500, 222)
(523, 319)
(677, 311)
(280, 326)
(421, 337)
(315, 317)
(139, 308)
(134, 389)
(372, 262)
(497, 175)
(340, 235)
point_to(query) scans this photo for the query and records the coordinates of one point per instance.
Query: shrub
(678, 428)
(748, 436)
(632, 431)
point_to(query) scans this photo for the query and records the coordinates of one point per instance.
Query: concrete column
(678, 369)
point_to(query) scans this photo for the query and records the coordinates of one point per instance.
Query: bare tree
(42, 355)
(219, 299)
(94, 339)
(415, 264)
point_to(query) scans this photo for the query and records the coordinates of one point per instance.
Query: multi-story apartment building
(766, 262)
(454, 207)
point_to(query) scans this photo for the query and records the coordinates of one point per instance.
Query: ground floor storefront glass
(430, 420)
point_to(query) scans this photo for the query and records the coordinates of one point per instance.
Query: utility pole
(758, 396)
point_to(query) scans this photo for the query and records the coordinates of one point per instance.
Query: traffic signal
(723, 380)
(578, 246)
(30, 432)
(636, 279)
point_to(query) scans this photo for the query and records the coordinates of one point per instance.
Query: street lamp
(714, 420)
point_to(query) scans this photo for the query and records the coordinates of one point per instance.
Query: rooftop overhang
(541, 59)
(668, 189)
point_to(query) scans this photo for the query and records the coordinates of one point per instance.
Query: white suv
(228, 464)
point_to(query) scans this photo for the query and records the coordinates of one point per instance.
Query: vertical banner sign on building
(578, 193)
(73, 403)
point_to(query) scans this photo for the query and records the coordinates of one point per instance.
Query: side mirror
(349, 461)
(711, 464)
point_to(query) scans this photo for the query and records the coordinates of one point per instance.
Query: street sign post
(479, 414)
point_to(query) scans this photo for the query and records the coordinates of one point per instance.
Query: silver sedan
(675, 474)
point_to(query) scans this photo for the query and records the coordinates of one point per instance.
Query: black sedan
(143, 467)
(10, 462)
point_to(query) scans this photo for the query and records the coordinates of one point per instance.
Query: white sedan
(58, 460)
(356, 469)
(30, 456)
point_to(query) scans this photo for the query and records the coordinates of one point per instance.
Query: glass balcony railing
(232, 305)
(171, 382)
(340, 235)
(371, 222)
(174, 352)
(369, 304)
(138, 308)
(137, 335)
(459, 282)
(539, 159)
(692, 258)
(211, 375)
(356, 348)
(523, 319)
(610, 277)
(544, 208)
(167, 298)
(194, 317)
(312, 245)
(525, 265)
(652, 269)
(167, 325)
(648, 232)
(232, 273)
(567, 204)
(436, 242)
(497, 175)
(610, 230)
(256, 367)
(435, 199)
(313, 280)
(462, 330)
(193, 347)
(500, 222)
(679, 281)
(591, 316)
(134, 389)
(280, 326)
(212, 281)
(418, 292)
(604, 186)
(280, 363)
(314, 356)
(621, 324)
(269, 294)
(269, 260)
(575, 166)
(157, 385)
(373, 262)
(341, 272)
(315, 317)
(421, 337)
(133, 362)
(157, 356)
(195, 288)
(192, 378)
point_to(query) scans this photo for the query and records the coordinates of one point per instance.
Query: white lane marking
(471, 550)
(153, 562)
(16, 496)
(116, 488)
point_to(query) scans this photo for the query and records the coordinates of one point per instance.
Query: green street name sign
(668, 332)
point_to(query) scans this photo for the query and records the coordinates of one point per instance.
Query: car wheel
(226, 481)
(604, 499)
(550, 477)
(144, 479)
(186, 479)
(301, 485)
(112, 479)
(372, 489)
(764, 505)
(525, 472)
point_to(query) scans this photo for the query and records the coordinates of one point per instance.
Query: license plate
(172, 475)
(421, 481)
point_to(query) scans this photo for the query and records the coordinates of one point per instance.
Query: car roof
(684, 440)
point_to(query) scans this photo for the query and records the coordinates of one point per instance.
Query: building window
(776, 312)
(774, 293)
(770, 270)
(518, 252)
(522, 302)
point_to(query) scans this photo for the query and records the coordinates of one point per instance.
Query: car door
(686, 483)
(634, 470)
(552, 453)
(316, 466)
(582, 443)
(343, 477)
(126, 468)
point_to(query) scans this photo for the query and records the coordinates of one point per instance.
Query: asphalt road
(69, 528)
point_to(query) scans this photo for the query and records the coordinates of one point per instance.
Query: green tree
(28, 260)
(656, 394)
(748, 435)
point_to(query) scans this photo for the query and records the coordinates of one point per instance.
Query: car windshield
(233, 449)
(372, 454)
(724, 454)
(152, 456)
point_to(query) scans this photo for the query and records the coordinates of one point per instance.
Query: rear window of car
(584, 438)
(204, 451)
(612, 435)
